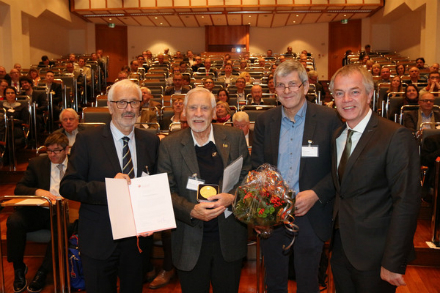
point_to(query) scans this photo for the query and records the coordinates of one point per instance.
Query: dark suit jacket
(57, 96)
(37, 176)
(410, 119)
(40, 99)
(379, 197)
(314, 173)
(170, 90)
(177, 157)
(80, 128)
(94, 158)
(429, 152)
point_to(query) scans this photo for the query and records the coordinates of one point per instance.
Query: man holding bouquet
(296, 137)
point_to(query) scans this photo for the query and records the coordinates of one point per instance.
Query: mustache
(128, 114)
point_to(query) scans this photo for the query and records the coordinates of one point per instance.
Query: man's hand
(222, 199)
(304, 202)
(46, 193)
(206, 211)
(123, 176)
(392, 278)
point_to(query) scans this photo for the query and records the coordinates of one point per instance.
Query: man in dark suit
(55, 89)
(296, 137)
(413, 119)
(42, 178)
(177, 87)
(209, 243)
(115, 150)
(376, 172)
(70, 125)
(39, 97)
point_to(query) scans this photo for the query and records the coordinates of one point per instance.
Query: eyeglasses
(291, 86)
(208, 82)
(427, 101)
(56, 152)
(123, 104)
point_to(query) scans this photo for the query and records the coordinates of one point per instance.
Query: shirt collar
(211, 138)
(363, 124)
(298, 116)
(117, 134)
(64, 163)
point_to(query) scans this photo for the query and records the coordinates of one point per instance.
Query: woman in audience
(400, 70)
(395, 86)
(223, 95)
(375, 69)
(222, 112)
(411, 95)
(18, 111)
(33, 73)
(177, 109)
(369, 64)
(3, 85)
(247, 77)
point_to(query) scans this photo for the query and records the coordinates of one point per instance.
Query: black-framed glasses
(291, 86)
(56, 152)
(123, 104)
(427, 101)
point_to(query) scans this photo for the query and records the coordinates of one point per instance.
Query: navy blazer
(378, 200)
(314, 173)
(94, 158)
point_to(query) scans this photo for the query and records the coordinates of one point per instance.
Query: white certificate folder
(143, 206)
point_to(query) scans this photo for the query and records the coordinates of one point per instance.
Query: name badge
(193, 183)
(310, 151)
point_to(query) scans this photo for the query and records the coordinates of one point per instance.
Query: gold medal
(208, 191)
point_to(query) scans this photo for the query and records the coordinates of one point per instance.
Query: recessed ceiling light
(297, 15)
(161, 23)
(294, 21)
(155, 17)
(203, 16)
(109, 19)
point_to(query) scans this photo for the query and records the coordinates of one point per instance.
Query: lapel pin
(225, 145)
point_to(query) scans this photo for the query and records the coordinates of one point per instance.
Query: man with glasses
(198, 63)
(296, 137)
(114, 150)
(208, 84)
(42, 178)
(433, 83)
(413, 119)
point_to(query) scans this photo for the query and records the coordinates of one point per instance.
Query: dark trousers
(211, 268)
(22, 221)
(126, 262)
(307, 254)
(350, 280)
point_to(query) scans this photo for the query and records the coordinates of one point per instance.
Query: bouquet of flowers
(264, 200)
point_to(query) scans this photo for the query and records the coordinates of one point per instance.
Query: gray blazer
(177, 157)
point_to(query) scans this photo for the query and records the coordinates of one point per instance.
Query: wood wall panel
(227, 37)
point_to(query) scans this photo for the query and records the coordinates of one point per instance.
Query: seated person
(434, 67)
(222, 95)
(414, 75)
(243, 65)
(223, 113)
(413, 119)
(70, 125)
(55, 89)
(240, 84)
(42, 178)
(208, 83)
(433, 83)
(186, 80)
(257, 95)
(289, 52)
(19, 112)
(149, 108)
(45, 62)
(241, 120)
(178, 87)
(385, 74)
(227, 78)
(207, 68)
(122, 75)
(313, 79)
(177, 106)
(375, 69)
(3, 85)
(197, 64)
(39, 98)
(420, 63)
(70, 69)
(411, 95)
(247, 77)
(400, 70)
(35, 75)
(271, 85)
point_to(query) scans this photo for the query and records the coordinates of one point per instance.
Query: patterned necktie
(345, 155)
(61, 168)
(127, 163)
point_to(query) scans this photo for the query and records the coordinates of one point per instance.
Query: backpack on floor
(77, 281)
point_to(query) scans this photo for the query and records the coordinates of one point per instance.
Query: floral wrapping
(264, 200)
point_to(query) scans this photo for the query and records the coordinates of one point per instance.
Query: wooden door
(342, 37)
(114, 43)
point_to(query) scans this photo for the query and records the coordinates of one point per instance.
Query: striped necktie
(127, 163)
